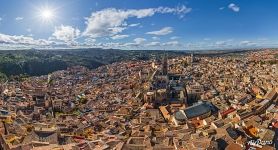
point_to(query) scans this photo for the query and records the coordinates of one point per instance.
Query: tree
(3, 77)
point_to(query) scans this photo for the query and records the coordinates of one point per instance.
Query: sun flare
(46, 14)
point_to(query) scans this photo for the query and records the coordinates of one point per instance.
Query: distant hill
(41, 62)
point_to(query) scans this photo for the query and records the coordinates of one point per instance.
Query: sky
(138, 24)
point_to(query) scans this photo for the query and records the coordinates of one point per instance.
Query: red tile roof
(224, 113)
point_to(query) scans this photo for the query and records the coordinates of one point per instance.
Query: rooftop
(198, 109)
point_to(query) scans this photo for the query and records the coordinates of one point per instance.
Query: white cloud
(27, 42)
(171, 43)
(21, 42)
(89, 42)
(221, 8)
(234, 7)
(213, 45)
(18, 18)
(117, 37)
(139, 40)
(262, 39)
(12, 39)
(134, 25)
(28, 30)
(140, 43)
(111, 21)
(155, 38)
(163, 31)
(228, 42)
(66, 33)
(153, 44)
(174, 37)
(221, 42)
(181, 11)
(247, 43)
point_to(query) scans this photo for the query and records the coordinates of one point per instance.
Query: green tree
(3, 77)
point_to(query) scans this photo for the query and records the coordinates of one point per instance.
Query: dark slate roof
(180, 116)
(232, 133)
(197, 110)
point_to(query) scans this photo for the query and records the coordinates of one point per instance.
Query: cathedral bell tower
(165, 65)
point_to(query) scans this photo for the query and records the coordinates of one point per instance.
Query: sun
(47, 14)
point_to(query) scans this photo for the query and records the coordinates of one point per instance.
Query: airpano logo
(258, 143)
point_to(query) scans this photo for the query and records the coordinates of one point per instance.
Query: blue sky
(138, 24)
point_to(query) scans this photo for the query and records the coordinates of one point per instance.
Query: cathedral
(166, 87)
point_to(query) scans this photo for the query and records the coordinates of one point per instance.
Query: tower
(192, 57)
(165, 65)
